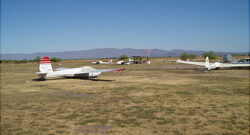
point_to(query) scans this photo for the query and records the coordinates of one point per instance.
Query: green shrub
(210, 55)
(123, 57)
(185, 56)
(54, 59)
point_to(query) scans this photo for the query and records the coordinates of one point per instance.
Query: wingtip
(122, 69)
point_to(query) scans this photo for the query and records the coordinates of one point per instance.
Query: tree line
(184, 56)
(211, 55)
(36, 60)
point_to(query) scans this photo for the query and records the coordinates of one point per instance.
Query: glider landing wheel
(42, 79)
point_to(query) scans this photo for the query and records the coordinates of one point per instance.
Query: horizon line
(129, 48)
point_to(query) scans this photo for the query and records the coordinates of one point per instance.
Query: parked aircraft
(46, 71)
(215, 65)
(242, 61)
(121, 62)
(102, 62)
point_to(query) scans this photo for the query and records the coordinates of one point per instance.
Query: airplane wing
(191, 62)
(60, 68)
(99, 70)
(222, 65)
(107, 70)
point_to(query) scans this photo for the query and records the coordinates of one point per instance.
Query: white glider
(46, 71)
(121, 62)
(102, 62)
(215, 65)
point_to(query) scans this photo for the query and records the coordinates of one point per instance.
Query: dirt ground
(161, 98)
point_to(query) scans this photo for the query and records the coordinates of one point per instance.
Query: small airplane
(102, 62)
(215, 65)
(46, 71)
(121, 62)
(241, 61)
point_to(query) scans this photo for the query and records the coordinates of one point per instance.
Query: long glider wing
(60, 68)
(191, 62)
(107, 70)
(233, 65)
(99, 70)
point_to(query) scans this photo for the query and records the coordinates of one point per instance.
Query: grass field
(161, 98)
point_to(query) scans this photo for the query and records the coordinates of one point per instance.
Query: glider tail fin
(45, 65)
(207, 62)
(111, 60)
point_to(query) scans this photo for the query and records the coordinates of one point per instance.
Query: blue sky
(29, 26)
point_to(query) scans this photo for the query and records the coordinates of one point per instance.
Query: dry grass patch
(145, 99)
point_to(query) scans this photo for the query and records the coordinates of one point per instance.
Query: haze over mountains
(103, 53)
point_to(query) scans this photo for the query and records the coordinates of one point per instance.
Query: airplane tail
(111, 60)
(45, 65)
(207, 62)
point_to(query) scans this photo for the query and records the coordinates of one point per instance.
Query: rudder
(207, 62)
(45, 65)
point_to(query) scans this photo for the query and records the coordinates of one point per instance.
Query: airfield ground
(161, 98)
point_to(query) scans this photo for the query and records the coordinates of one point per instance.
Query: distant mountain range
(103, 53)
